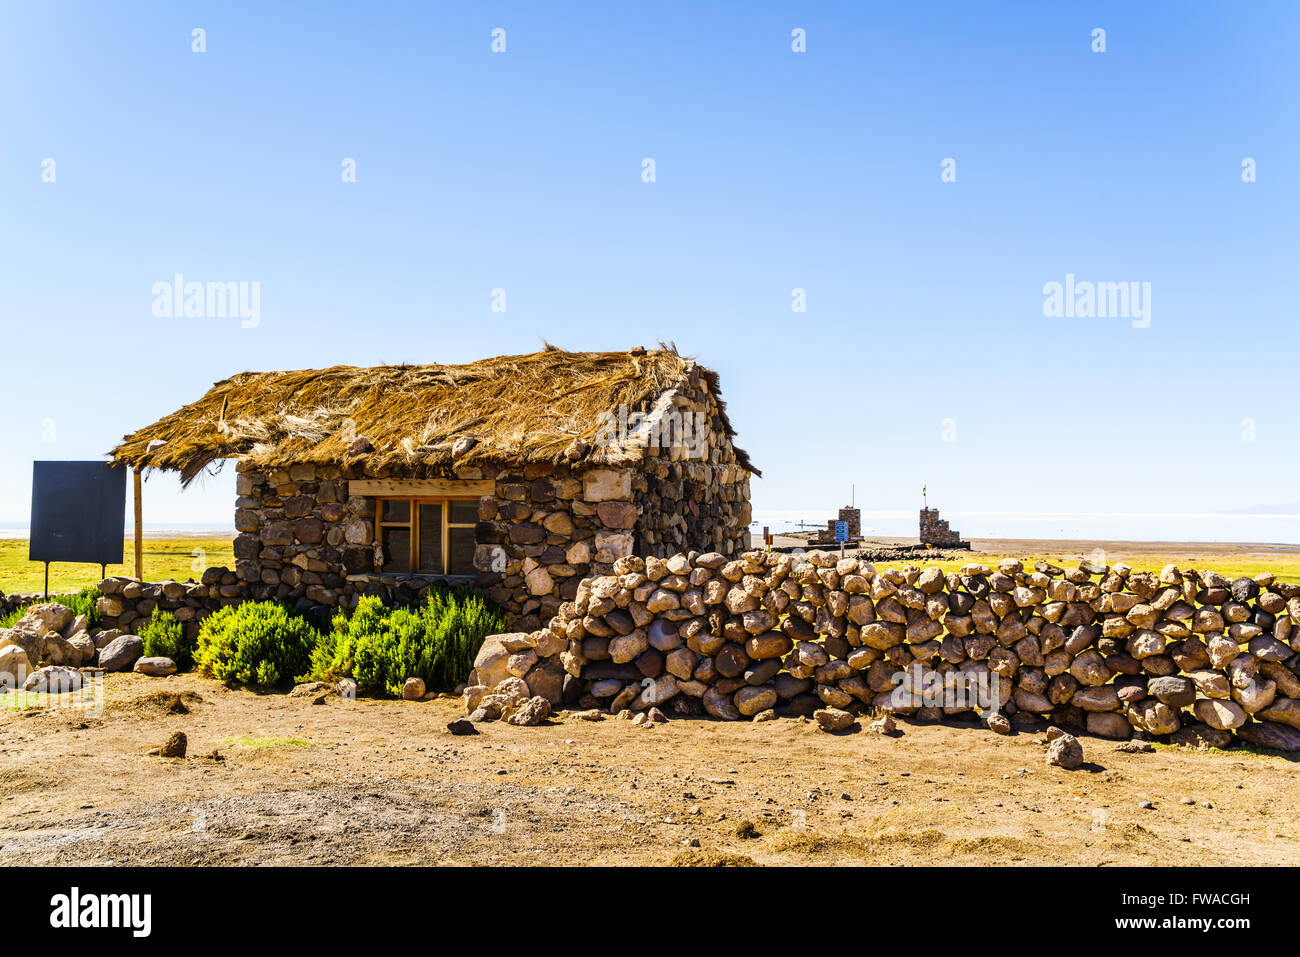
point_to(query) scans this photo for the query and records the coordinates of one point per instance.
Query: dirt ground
(384, 782)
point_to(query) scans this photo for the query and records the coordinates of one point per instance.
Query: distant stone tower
(847, 514)
(935, 530)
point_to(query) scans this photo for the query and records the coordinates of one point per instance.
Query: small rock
(532, 712)
(1186, 800)
(174, 746)
(768, 715)
(413, 689)
(157, 667)
(1065, 752)
(591, 714)
(657, 716)
(833, 719)
(1134, 747)
(883, 725)
(999, 723)
(1146, 805)
(461, 726)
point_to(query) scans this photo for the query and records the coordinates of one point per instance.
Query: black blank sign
(78, 512)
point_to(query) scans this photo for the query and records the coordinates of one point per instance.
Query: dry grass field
(275, 779)
(164, 558)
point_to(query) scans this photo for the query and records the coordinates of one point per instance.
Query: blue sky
(775, 170)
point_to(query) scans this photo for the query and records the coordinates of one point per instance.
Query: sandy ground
(379, 782)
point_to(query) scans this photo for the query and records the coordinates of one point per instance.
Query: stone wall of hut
(302, 538)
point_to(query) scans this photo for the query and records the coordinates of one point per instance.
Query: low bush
(164, 637)
(258, 643)
(380, 647)
(83, 603)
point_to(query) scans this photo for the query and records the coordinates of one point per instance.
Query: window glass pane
(462, 513)
(461, 557)
(396, 510)
(430, 555)
(396, 543)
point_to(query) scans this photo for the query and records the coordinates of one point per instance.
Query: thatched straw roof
(509, 410)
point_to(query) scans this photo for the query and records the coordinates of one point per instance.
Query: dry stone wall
(1185, 655)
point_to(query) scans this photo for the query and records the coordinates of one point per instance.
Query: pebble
(1147, 805)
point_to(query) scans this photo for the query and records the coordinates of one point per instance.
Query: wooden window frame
(412, 524)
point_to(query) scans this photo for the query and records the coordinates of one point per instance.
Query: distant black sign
(78, 512)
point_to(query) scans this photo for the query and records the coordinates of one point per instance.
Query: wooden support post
(139, 528)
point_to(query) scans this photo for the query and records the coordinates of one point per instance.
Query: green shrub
(258, 643)
(83, 603)
(380, 647)
(164, 637)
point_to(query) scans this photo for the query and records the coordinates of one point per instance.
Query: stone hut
(521, 475)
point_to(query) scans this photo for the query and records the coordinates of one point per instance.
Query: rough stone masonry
(1183, 655)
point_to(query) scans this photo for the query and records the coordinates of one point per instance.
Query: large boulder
(43, 618)
(1224, 715)
(1200, 736)
(1269, 734)
(1255, 695)
(719, 705)
(750, 701)
(121, 653)
(105, 636)
(57, 650)
(53, 680)
(1108, 724)
(546, 678)
(85, 646)
(1153, 716)
(491, 662)
(1282, 711)
(31, 644)
(15, 666)
(1173, 690)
